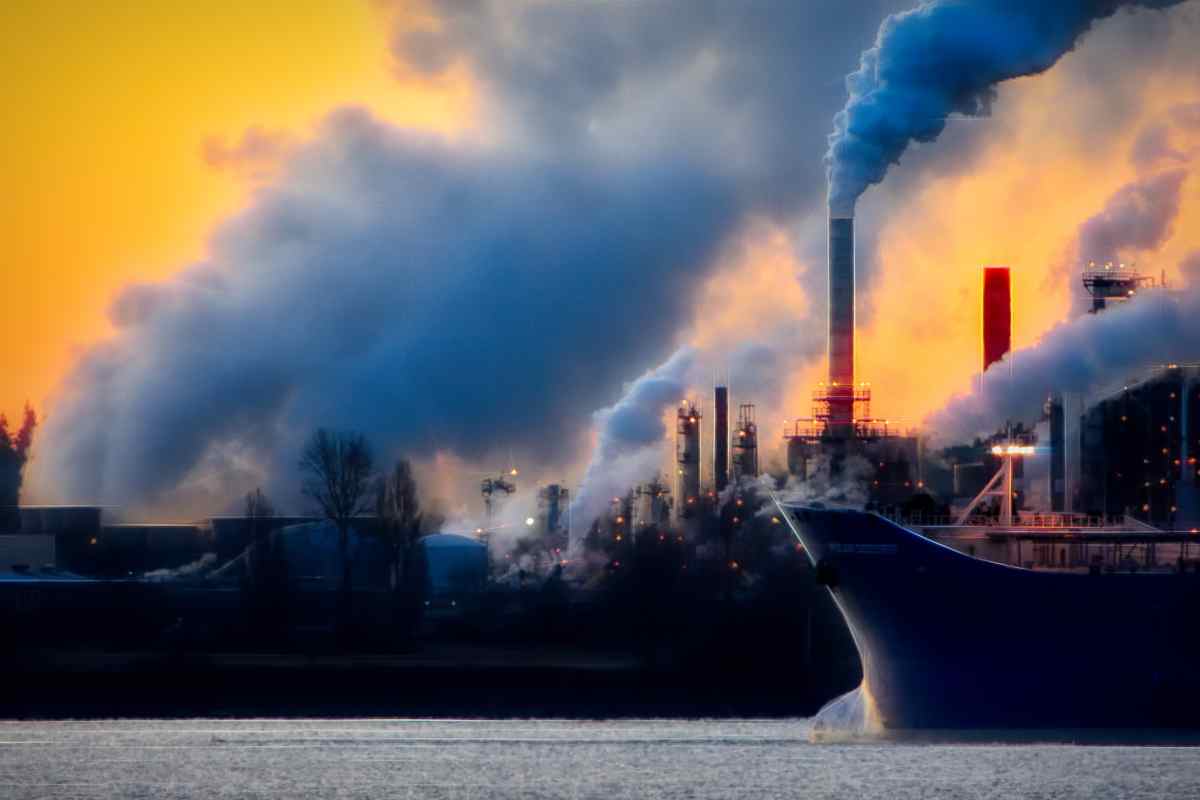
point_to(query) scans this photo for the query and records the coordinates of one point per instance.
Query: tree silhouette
(14, 453)
(399, 512)
(339, 469)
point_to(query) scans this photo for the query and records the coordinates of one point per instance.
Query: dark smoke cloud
(481, 300)
(945, 57)
(1139, 216)
(743, 85)
(434, 298)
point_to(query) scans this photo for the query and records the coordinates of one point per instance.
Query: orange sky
(1021, 208)
(108, 110)
(103, 163)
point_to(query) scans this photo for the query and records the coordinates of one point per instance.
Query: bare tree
(339, 469)
(399, 512)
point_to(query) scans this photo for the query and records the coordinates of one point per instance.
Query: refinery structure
(841, 436)
(1131, 452)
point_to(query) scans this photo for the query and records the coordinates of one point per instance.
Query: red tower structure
(997, 314)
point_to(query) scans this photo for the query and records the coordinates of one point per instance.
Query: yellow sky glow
(108, 108)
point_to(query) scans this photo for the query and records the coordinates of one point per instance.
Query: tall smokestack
(721, 438)
(997, 314)
(841, 323)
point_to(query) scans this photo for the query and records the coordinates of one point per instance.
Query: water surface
(700, 759)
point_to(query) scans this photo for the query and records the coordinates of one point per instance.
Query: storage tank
(452, 569)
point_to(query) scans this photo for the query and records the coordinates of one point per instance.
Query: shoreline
(469, 682)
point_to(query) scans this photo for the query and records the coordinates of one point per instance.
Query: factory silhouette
(684, 580)
(689, 593)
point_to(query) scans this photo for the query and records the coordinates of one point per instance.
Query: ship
(1050, 622)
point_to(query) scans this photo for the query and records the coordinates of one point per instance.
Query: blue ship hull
(952, 641)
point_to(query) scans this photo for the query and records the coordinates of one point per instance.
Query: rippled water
(556, 759)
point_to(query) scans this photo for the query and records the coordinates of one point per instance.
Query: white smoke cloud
(631, 433)
(943, 58)
(1093, 352)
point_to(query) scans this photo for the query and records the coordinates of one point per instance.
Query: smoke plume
(1093, 352)
(455, 297)
(1137, 217)
(631, 433)
(1084, 356)
(945, 57)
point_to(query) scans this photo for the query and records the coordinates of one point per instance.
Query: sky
(112, 112)
(489, 233)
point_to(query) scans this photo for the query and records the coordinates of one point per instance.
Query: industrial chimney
(841, 325)
(997, 314)
(721, 438)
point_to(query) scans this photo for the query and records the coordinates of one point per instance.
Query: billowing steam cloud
(433, 298)
(485, 300)
(442, 297)
(630, 436)
(945, 57)
(1138, 217)
(1094, 352)
(1082, 357)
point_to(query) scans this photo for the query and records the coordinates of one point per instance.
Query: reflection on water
(572, 759)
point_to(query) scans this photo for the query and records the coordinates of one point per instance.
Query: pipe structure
(687, 459)
(841, 325)
(1058, 454)
(721, 438)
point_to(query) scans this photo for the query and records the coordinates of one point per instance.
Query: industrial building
(452, 570)
(81, 540)
(687, 459)
(1139, 448)
(745, 444)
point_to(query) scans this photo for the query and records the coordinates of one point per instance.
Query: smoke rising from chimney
(942, 58)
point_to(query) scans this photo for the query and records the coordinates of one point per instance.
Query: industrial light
(1013, 450)
(529, 521)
